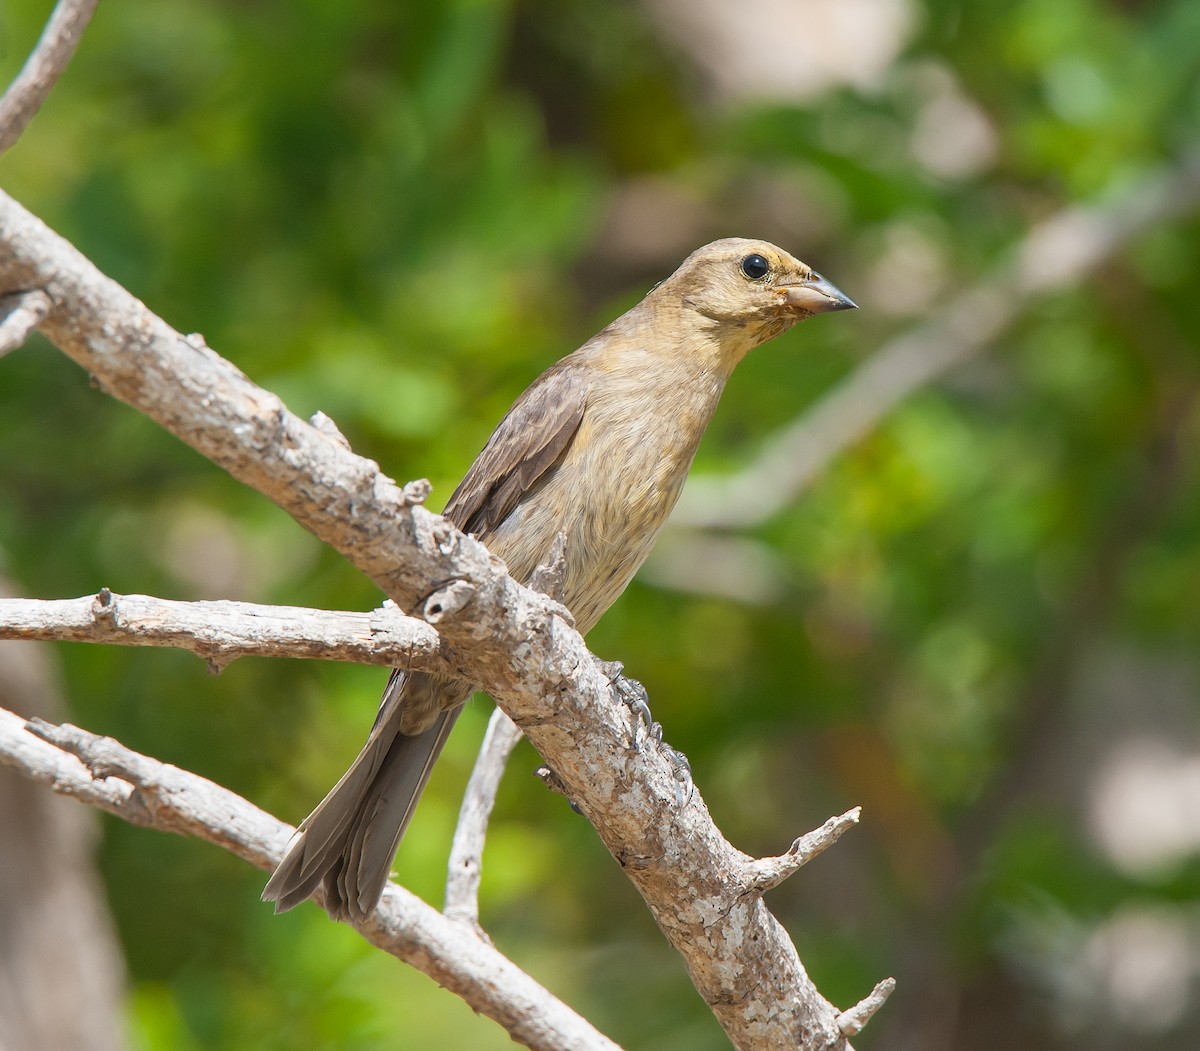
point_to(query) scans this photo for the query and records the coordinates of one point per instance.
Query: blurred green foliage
(400, 215)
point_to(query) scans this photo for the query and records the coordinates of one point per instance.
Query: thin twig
(20, 314)
(465, 867)
(1055, 254)
(139, 789)
(44, 66)
(765, 873)
(222, 631)
(851, 1022)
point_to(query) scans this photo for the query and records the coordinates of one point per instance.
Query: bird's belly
(610, 503)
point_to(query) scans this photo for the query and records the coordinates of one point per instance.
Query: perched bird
(597, 448)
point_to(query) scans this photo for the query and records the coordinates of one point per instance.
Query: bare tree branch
(223, 631)
(104, 773)
(465, 867)
(44, 66)
(514, 642)
(1055, 254)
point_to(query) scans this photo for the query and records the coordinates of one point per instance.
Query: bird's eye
(755, 267)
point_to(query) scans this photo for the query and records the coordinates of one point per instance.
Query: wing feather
(529, 441)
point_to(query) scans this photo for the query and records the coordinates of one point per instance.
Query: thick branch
(510, 640)
(1054, 254)
(223, 631)
(44, 66)
(104, 773)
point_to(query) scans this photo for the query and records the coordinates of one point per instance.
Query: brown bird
(597, 448)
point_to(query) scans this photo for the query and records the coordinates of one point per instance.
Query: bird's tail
(348, 842)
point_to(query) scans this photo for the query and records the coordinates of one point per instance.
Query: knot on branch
(417, 491)
(327, 427)
(447, 600)
(104, 607)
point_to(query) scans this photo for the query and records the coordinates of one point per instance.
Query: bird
(596, 449)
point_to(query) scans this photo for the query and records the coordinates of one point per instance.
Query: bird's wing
(527, 443)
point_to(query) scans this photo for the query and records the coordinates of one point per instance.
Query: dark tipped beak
(817, 296)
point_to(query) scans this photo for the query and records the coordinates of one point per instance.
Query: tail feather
(348, 842)
(381, 820)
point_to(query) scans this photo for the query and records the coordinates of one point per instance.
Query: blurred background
(978, 619)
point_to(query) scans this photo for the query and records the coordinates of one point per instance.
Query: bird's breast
(611, 493)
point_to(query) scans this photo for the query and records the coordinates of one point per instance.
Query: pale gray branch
(1055, 254)
(465, 867)
(512, 641)
(20, 314)
(44, 66)
(104, 773)
(223, 631)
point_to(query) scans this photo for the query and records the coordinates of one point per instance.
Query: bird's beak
(816, 296)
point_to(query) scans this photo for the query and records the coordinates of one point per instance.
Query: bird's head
(750, 290)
